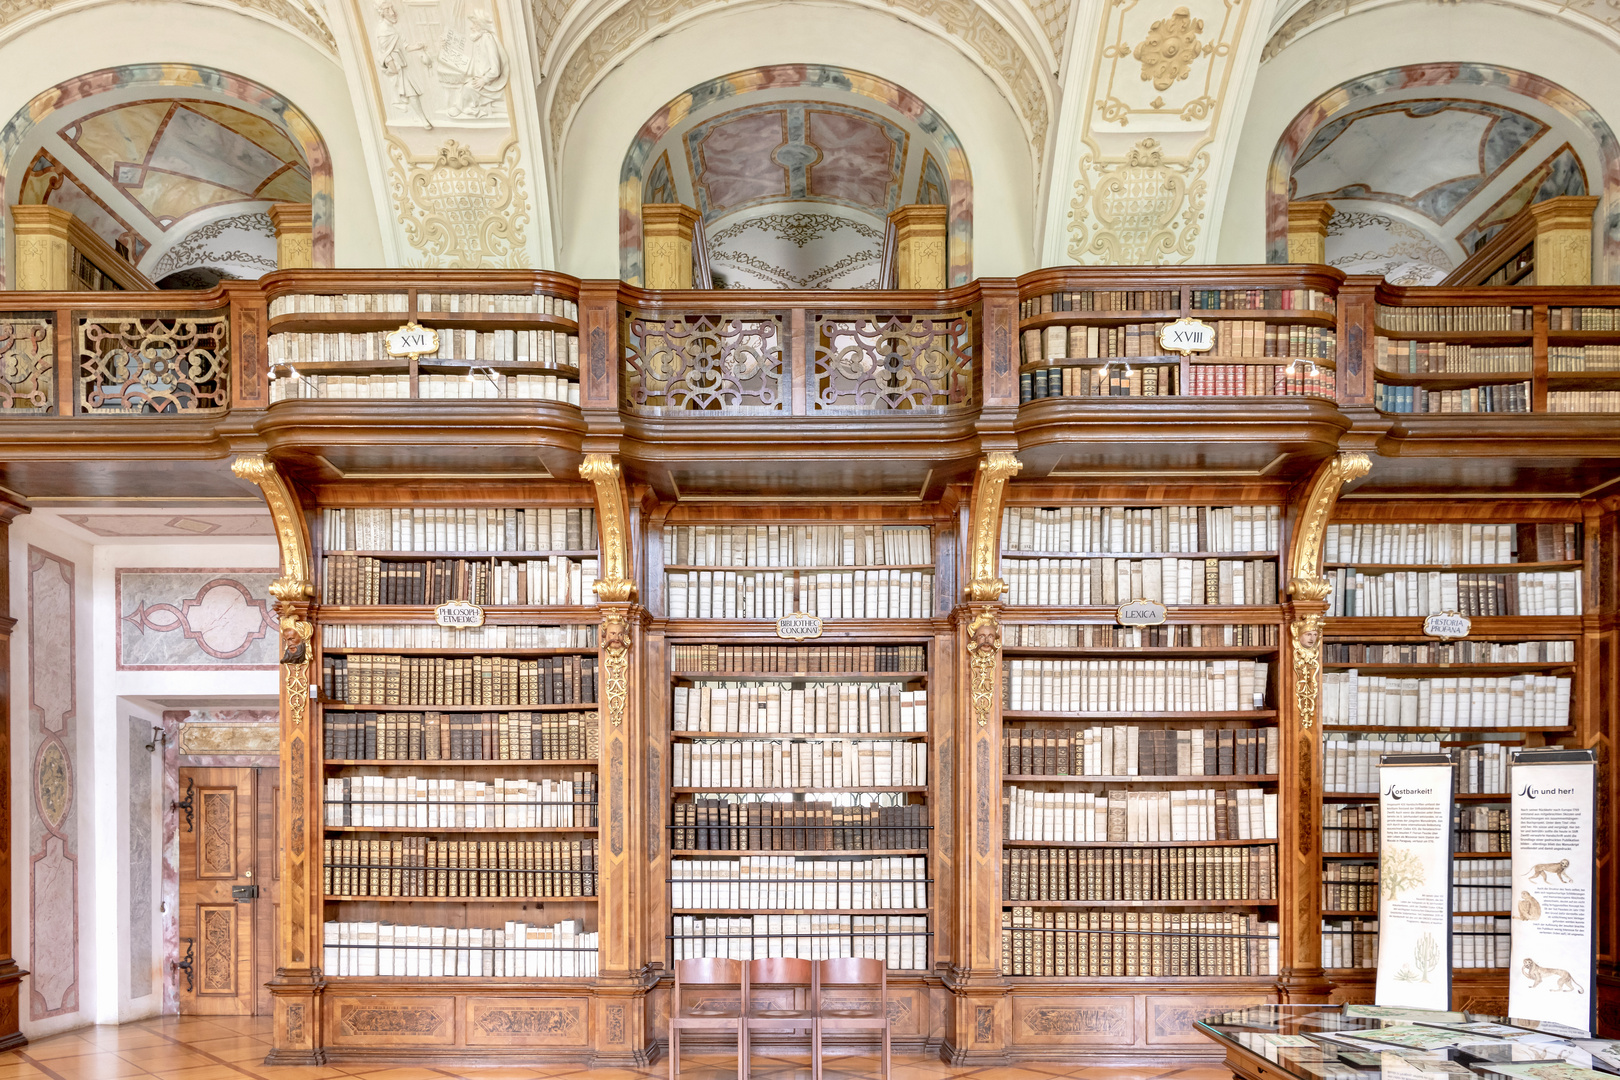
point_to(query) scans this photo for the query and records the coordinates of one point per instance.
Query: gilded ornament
(994, 471)
(294, 583)
(295, 635)
(1171, 46)
(1305, 558)
(612, 515)
(615, 639)
(984, 653)
(1306, 633)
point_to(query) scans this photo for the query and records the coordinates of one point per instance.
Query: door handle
(243, 894)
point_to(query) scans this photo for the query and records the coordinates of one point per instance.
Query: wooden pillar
(295, 1036)
(921, 261)
(294, 229)
(10, 974)
(1299, 861)
(1307, 231)
(976, 1029)
(666, 245)
(1564, 239)
(49, 243)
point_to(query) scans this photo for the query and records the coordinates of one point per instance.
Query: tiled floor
(220, 1048)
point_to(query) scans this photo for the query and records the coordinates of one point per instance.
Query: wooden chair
(784, 972)
(708, 1015)
(850, 971)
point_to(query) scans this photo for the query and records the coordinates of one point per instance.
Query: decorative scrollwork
(984, 653)
(157, 364)
(994, 471)
(295, 633)
(613, 514)
(615, 638)
(706, 363)
(1306, 634)
(27, 365)
(294, 583)
(891, 363)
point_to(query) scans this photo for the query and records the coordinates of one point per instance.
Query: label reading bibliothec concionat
(798, 626)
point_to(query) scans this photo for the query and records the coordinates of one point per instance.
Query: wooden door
(227, 844)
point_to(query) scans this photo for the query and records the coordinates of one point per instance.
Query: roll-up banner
(1554, 954)
(1414, 881)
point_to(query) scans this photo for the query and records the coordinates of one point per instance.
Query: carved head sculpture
(982, 634)
(294, 645)
(615, 634)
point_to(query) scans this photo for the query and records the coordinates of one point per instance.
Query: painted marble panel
(53, 820)
(193, 144)
(860, 157)
(49, 183)
(187, 620)
(1560, 174)
(176, 525)
(172, 719)
(142, 808)
(931, 187)
(733, 160)
(660, 185)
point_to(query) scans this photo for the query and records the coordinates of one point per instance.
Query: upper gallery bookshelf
(459, 784)
(1140, 764)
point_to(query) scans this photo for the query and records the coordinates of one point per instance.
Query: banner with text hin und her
(1414, 881)
(1553, 959)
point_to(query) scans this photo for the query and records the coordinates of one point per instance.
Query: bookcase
(1520, 573)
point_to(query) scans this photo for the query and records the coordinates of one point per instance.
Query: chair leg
(885, 1073)
(674, 1052)
(815, 1050)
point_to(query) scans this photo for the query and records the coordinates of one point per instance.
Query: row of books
(1261, 380)
(507, 736)
(1160, 944)
(482, 386)
(1116, 686)
(498, 304)
(1146, 530)
(1111, 874)
(1583, 401)
(1262, 300)
(1350, 762)
(1427, 357)
(1407, 592)
(517, 950)
(1237, 339)
(1441, 653)
(1481, 885)
(798, 545)
(415, 802)
(1427, 319)
(1450, 543)
(1178, 582)
(1105, 380)
(765, 882)
(556, 579)
(770, 594)
(1349, 887)
(1494, 398)
(1135, 751)
(438, 528)
(431, 636)
(1480, 941)
(499, 681)
(1583, 358)
(542, 348)
(1101, 300)
(1109, 636)
(339, 303)
(1467, 701)
(719, 824)
(418, 866)
(763, 708)
(798, 659)
(1139, 816)
(835, 763)
(900, 941)
(1352, 829)
(1583, 318)
(1349, 943)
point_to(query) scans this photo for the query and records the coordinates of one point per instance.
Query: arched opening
(794, 170)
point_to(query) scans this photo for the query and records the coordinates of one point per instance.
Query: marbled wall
(172, 619)
(53, 821)
(142, 970)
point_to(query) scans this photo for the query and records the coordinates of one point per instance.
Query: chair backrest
(852, 971)
(781, 971)
(708, 971)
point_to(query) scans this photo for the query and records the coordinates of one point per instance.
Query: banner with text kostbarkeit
(1414, 881)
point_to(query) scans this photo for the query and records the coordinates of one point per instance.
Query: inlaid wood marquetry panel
(528, 1021)
(401, 1022)
(217, 951)
(1043, 1021)
(216, 833)
(1170, 1019)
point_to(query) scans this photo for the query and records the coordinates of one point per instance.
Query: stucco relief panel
(179, 619)
(53, 842)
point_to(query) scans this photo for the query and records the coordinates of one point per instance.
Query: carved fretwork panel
(156, 364)
(706, 363)
(27, 365)
(216, 833)
(891, 363)
(375, 1021)
(216, 953)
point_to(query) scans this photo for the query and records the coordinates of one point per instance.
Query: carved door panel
(218, 854)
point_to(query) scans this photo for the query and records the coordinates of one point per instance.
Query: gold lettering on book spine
(615, 665)
(984, 652)
(984, 584)
(613, 516)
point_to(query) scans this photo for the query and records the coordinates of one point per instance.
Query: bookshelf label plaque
(1448, 626)
(1186, 336)
(413, 340)
(459, 615)
(798, 626)
(1140, 613)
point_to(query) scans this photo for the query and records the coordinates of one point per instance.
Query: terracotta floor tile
(1201, 1072)
(1112, 1072)
(166, 1056)
(205, 1072)
(405, 1072)
(60, 1046)
(102, 1066)
(21, 1070)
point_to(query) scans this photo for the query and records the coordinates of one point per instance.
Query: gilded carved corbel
(1306, 582)
(294, 585)
(984, 583)
(613, 518)
(984, 653)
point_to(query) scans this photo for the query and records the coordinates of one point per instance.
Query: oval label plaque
(413, 340)
(1187, 336)
(798, 626)
(1447, 625)
(459, 615)
(1140, 613)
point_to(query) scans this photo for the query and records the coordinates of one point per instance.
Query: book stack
(1349, 943)
(1481, 885)
(1132, 751)
(1350, 762)
(412, 802)
(797, 659)
(1349, 829)
(339, 303)
(1441, 653)
(359, 579)
(499, 681)
(1129, 943)
(1583, 358)
(447, 529)
(1104, 581)
(1480, 941)
(1435, 357)
(1205, 379)
(507, 736)
(786, 882)
(1108, 636)
(1168, 530)
(1261, 300)
(489, 636)
(1104, 300)
(1466, 701)
(764, 594)
(418, 866)
(901, 941)
(1482, 828)
(720, 824)
(1493, 398)
(811, 546)
(1583, 401)
(1118, 379)
(1122, 686)
(819, 707)
(1129, 874)
(1431, 319)
(517, 950)
(1139, 816)
(1451, 543)
(480, 385)
(1583, 318)
(841, 764)
(1431, 592)
(1350, 887)
(498, 304)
